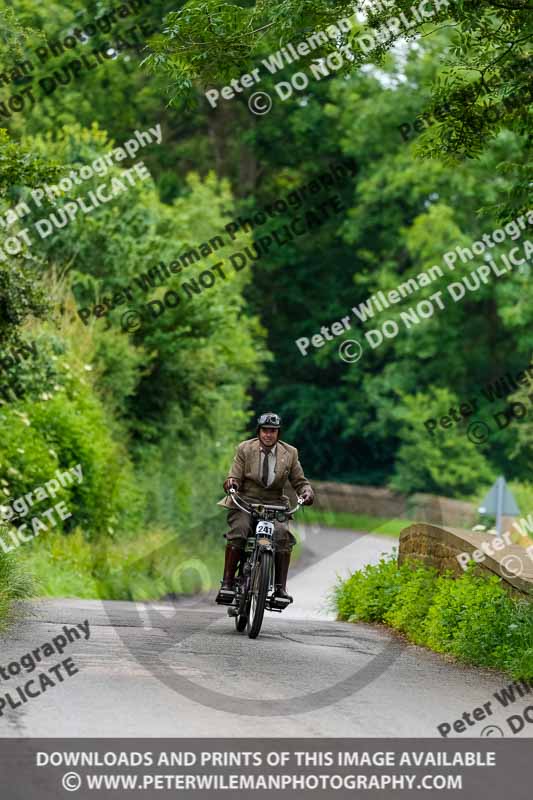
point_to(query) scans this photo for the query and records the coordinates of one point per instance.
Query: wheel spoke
(259, 590)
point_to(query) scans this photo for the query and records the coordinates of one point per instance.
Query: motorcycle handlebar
(234, 495)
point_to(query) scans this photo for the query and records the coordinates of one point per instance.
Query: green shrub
(520, 660)
(59, 431)
(118, 370)
(472, 617)
(412, 602)
(369, 593)
(35, 370)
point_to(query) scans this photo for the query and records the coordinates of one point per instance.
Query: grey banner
(42, 769)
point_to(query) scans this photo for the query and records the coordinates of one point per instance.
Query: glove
(231, 483)
(308, 496)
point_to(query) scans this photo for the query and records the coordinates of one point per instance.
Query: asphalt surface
(181, 670)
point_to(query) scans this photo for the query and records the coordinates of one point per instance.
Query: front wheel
(259, 591)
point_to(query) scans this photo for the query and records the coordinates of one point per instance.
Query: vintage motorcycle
(254, 580)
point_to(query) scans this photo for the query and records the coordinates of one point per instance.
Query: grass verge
(355, 522)
(471, 618)
(15, 584)
(142, 568)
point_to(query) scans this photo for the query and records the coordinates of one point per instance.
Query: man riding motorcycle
(259, 472)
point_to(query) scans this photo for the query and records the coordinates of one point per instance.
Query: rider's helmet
(268, 420)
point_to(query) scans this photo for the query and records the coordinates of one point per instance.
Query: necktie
(265, 468)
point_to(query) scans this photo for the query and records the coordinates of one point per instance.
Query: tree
(20, 293)
(440, 461)
(482, 87)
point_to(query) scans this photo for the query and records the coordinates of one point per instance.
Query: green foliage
(21, 295)
(15, 584)
(119, 366)
(412, 603)
(149, 458)
(202, 376)
(38, 373)
(213, 41)
(147, 567)
(12, 37)
(56, 431)
(369, 593)
(156, 414)
(482, 84)
(476, 604)
(400, 220)
(444, 460)
(20, 166)
(78, 429)
(524, 428)
(62, 566)
(472, 617)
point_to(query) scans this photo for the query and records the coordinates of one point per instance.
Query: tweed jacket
(246, 470)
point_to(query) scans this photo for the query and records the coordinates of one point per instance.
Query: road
(181, 669)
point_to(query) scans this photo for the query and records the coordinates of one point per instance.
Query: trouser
(239, 527)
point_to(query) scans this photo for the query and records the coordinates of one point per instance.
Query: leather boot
(231, 560)
(281, 569)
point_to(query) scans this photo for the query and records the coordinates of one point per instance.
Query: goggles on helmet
(269, 421)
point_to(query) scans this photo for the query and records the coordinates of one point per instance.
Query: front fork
(243, 584)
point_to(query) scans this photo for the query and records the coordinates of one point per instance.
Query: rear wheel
(244, 609)
(259, 591)
(244, 603)
(240, 622)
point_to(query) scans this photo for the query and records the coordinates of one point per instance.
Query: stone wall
(438, 547)
(378, 502)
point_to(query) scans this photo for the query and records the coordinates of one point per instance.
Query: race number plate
(265, 529)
